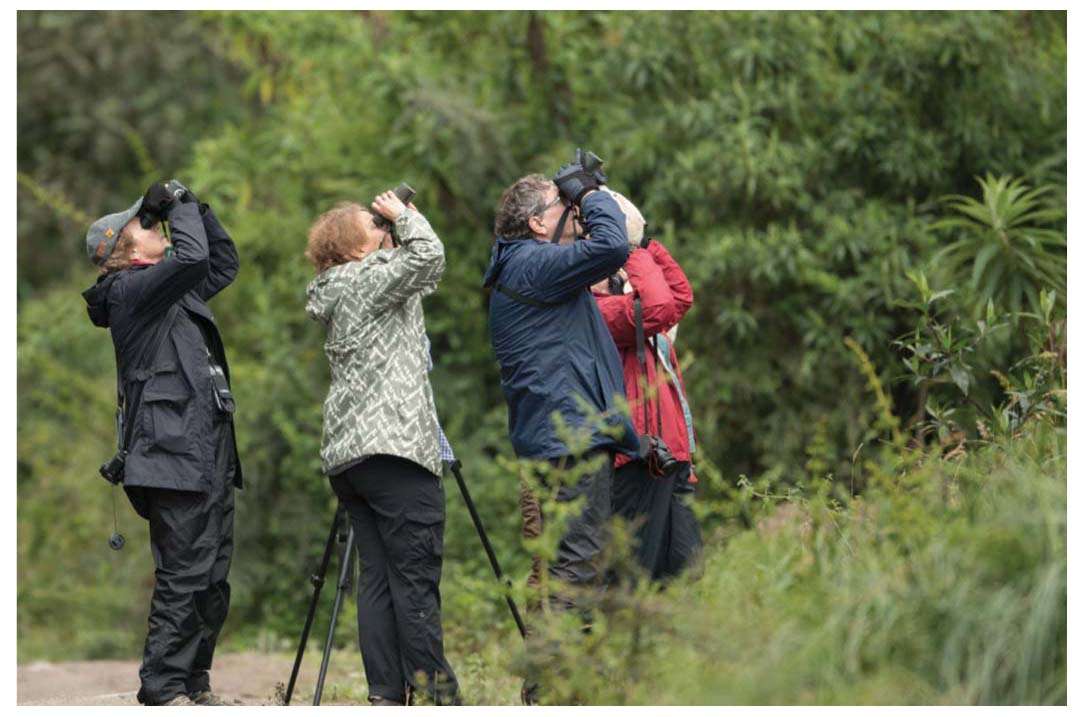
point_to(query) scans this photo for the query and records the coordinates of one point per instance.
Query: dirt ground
(251, 678)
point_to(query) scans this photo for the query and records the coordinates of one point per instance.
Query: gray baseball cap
(103, 233)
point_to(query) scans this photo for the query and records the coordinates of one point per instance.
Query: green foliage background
(793, 162)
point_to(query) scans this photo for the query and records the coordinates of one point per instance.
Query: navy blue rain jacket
(550, 355)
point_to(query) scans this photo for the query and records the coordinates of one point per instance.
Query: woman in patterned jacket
(380, 435)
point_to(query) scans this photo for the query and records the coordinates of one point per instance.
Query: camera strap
(560, 224)
(522, 298)
(223, 397)
(119, 418)
(641, 344)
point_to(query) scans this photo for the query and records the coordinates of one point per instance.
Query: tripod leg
(488, 547)
(317, 581)
(343, 580)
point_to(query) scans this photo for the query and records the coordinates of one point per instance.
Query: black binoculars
(405, 193)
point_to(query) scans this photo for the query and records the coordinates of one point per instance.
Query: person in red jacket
(667, 534)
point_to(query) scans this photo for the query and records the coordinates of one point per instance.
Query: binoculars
(149, 217)
(405, 193)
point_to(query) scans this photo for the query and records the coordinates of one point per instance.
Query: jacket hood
(325, 291)
(503, 249)
(97, 300)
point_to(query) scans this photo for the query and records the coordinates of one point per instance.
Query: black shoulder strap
(555, 239)
(530, 301)
(119, 420)
(522, 298)
(641, 352)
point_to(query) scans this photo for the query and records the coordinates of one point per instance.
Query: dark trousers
(579, 550)
(191, 540)
(667, 536)
(396, 509)
(582, 543)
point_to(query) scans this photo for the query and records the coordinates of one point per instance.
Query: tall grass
(945, 583)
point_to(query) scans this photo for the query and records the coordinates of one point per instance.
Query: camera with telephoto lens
(113, 471)
(592, 164)
(405, 193)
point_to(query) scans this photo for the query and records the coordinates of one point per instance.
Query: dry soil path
(249, 677)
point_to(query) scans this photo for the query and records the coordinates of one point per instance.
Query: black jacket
(160, 309)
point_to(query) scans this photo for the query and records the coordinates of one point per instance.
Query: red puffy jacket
(665, 295)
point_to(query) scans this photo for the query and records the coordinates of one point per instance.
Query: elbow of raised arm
(229, 272)
(200, 267)
(617, 258)
(438, 266)
(431, 254)
(623, 249)
(660, 317)
(190, 252)
(192, 268)
(683, 301)
(682, 294)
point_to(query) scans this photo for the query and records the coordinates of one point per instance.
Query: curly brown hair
(333, 237)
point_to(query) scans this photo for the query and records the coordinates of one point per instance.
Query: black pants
(191, 540)
(396, 509)
(668, 535)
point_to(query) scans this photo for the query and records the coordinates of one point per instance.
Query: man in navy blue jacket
(555, 353)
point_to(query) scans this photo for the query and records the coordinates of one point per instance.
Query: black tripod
(455, 465)
(341, 531)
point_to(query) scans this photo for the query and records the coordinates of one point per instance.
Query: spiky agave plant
(1006, 244)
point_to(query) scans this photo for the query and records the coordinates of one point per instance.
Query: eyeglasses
(550, 204)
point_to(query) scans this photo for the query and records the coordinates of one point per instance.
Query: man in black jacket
(177, 431)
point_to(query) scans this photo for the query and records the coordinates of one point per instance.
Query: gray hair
(519, 202)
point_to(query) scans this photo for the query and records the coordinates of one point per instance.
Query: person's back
(381, 440)
(379, 399)
(646, 300)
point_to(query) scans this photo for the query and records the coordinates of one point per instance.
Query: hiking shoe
(377, 701)
(529, 693)
(181, 700)
(206, 698)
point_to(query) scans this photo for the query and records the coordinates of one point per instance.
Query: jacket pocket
(423, 536)
(166, 399)
(606, 396)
